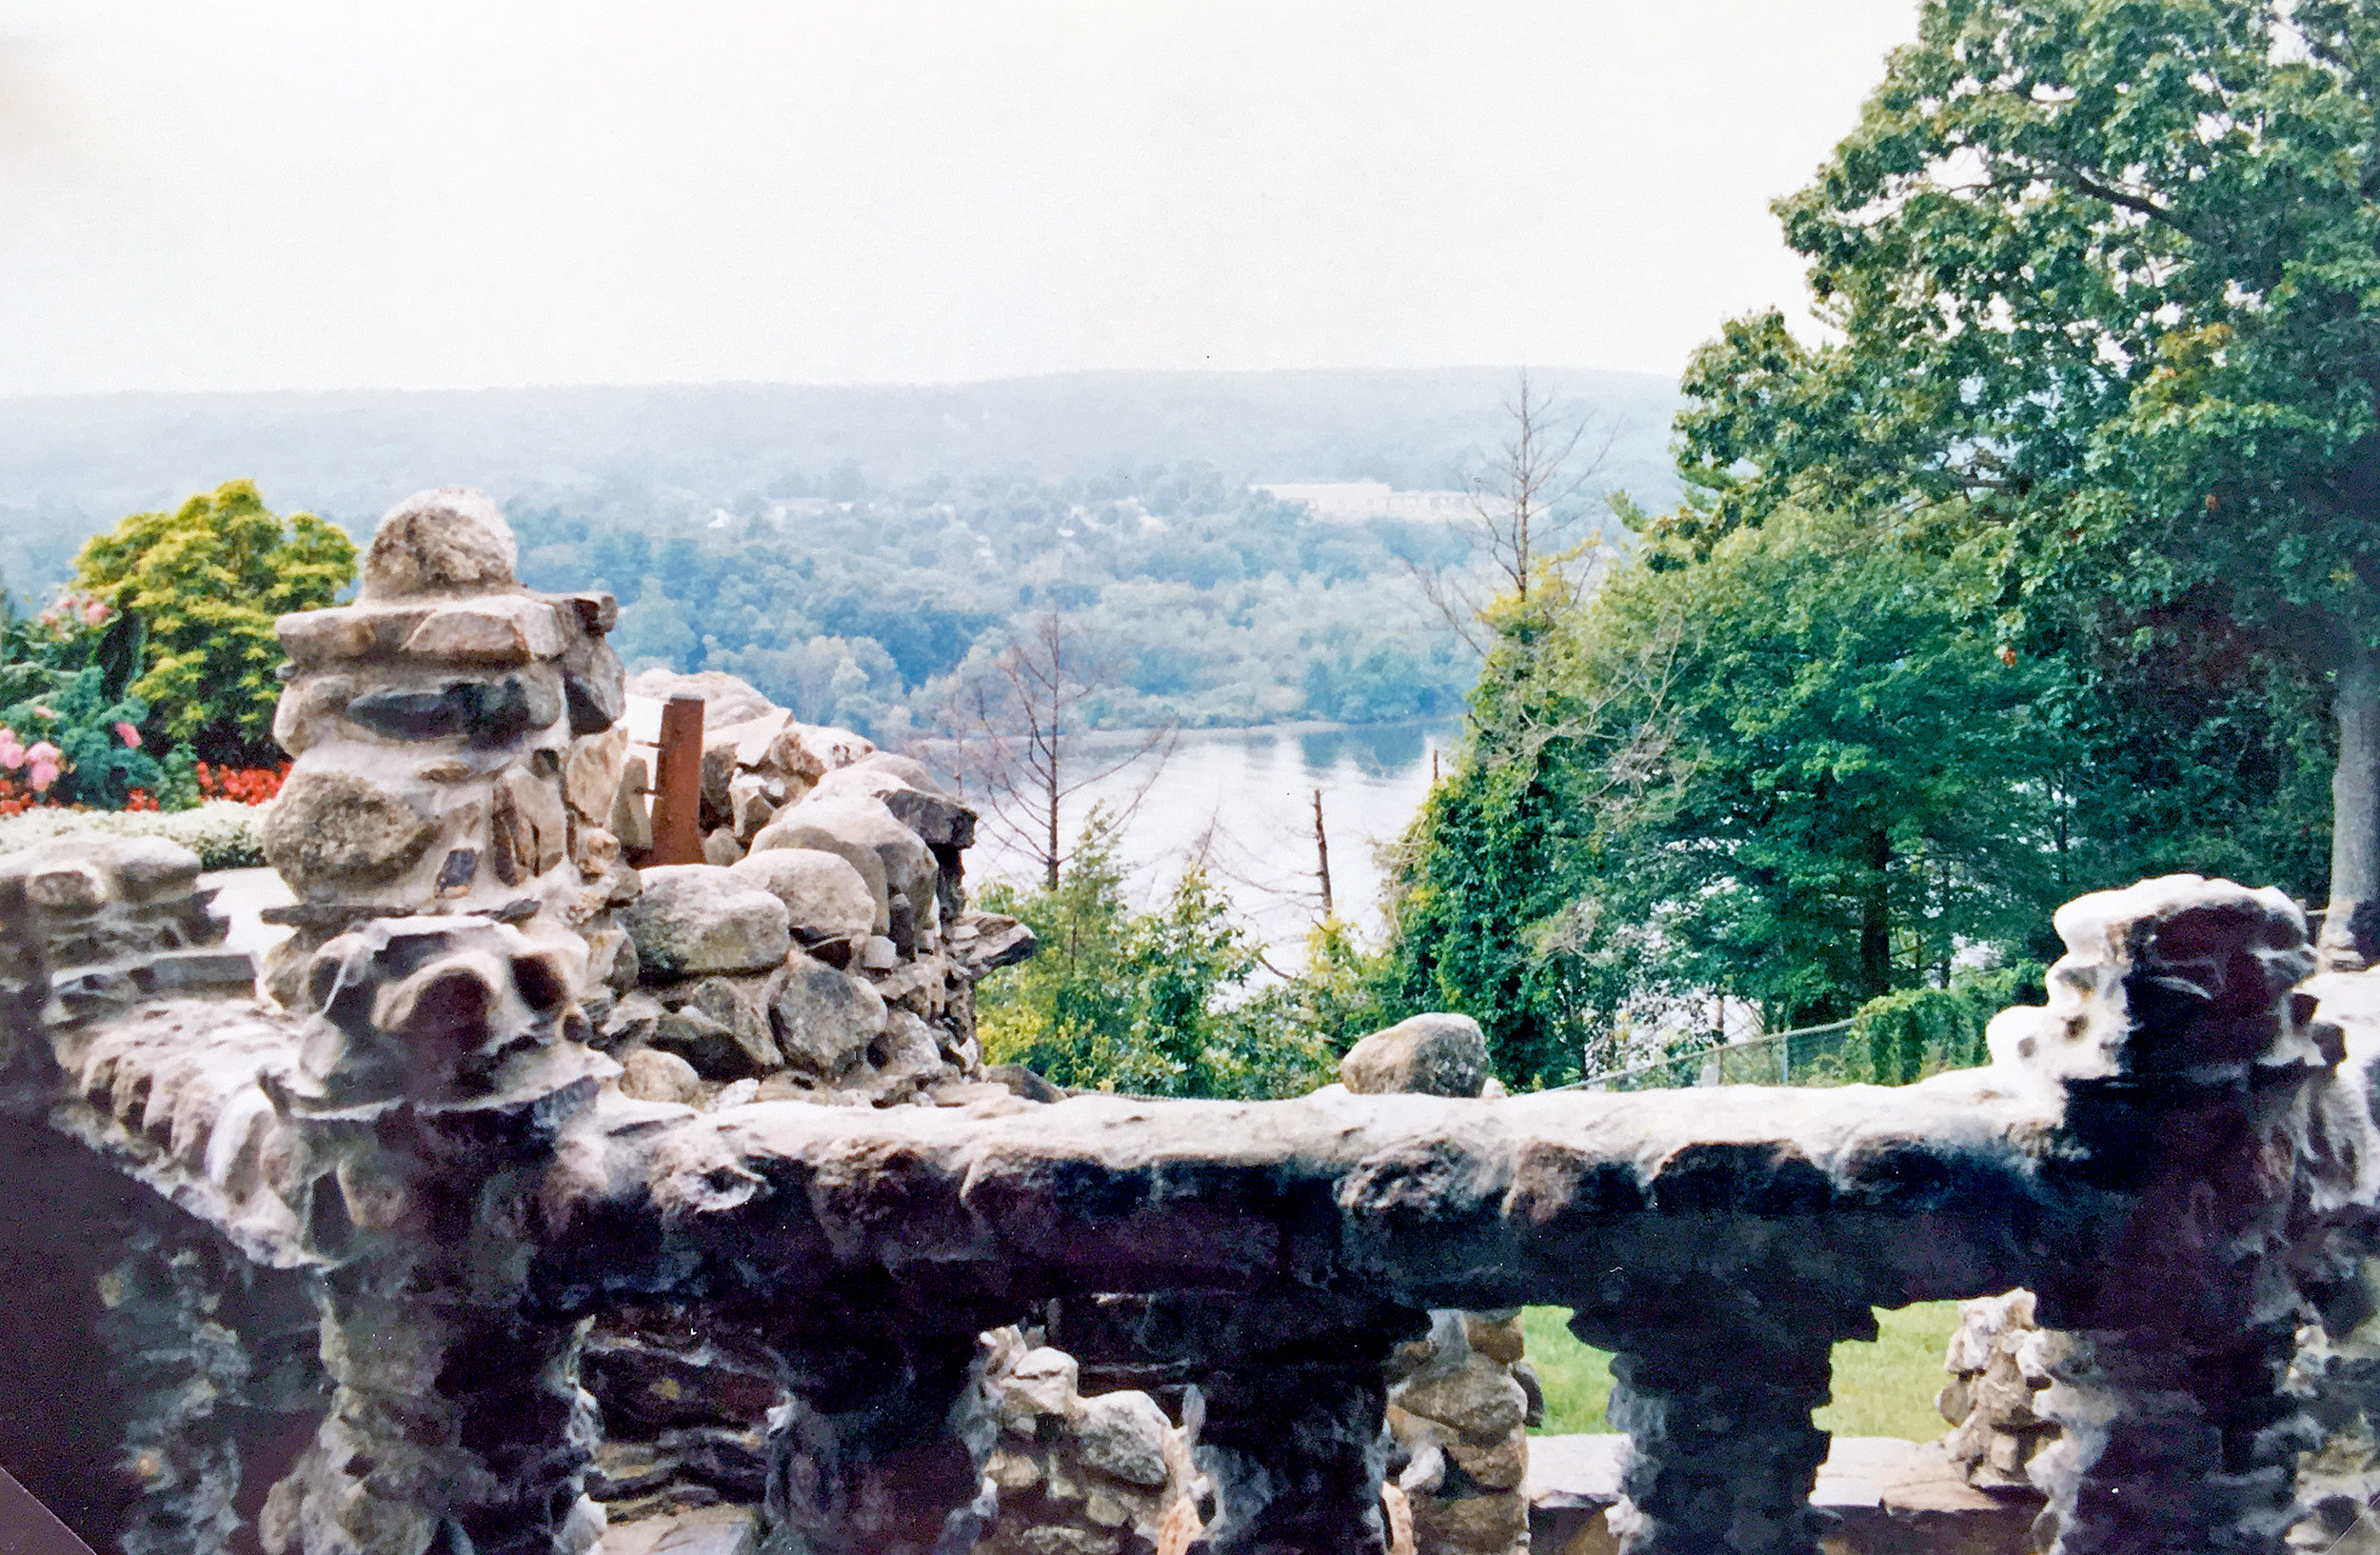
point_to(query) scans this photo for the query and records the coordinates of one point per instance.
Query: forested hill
(658, 452)
(847, 549)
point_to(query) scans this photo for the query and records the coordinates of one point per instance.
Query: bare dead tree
(1322, 855)
(1018, 730)
(1525, 511)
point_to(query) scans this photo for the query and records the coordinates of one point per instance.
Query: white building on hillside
(1352, 500)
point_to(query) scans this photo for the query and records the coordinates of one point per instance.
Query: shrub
(223, 834)
(1913, 1033)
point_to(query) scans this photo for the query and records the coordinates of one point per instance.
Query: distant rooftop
(1353, 500)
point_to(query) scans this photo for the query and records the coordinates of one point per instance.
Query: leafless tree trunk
(1018, 734)
(1322, 855)
(1523, 507)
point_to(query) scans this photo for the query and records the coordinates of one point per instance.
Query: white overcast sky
(336, 194)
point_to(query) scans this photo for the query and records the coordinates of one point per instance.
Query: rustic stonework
(511, 1157)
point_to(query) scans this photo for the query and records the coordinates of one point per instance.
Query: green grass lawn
(1885, 1388)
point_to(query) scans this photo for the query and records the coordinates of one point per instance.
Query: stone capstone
(696, 919)
(454, 540)
(1433, 1055)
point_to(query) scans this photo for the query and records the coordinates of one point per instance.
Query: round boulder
(825, 896)
(451, 541)
(699, 920)
(849, 825)
(1432, 1056)
(330, 829)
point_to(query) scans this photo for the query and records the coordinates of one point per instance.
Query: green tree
(2112, 273)
(1150, 1004)
(1496, 901)
(208, 580)
(1857, 786)
(1790, 772)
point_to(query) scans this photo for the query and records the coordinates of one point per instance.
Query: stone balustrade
(457, 1110)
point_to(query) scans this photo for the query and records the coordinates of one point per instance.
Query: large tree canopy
(2109, 273)
(207, 579)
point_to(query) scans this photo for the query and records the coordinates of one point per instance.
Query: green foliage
(63, 678)
(208, 580)
(1496, 903)
(76, 716)
(2109, 278)
(1853, 785)
(1792, 771)
(224, 833)
(1148, 1004)
(1907, 1035)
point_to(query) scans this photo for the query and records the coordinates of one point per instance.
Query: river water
(1243, 800)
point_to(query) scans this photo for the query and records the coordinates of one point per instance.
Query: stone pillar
(1999, 1361)
(1457, 1413)
(1462, 1418)
(1295, 1454)
(864, 1455)
(1716, 1404)
(1065, 1474)
(434, 1083)
(2187, 1065)
(454, 744)
(1291, 1400)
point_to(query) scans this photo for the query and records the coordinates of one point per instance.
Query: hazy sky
(326, 193)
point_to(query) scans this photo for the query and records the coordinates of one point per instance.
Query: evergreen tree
(207, 581)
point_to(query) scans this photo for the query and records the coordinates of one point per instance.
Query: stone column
(453, 741)
(1461, 1418)
(1292, 1397)
(864, 1455)
(433, 1087)
(1716, 1397)
(2189, 1066)
(1295, 1452)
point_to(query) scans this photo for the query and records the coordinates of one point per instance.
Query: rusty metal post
(678, 795)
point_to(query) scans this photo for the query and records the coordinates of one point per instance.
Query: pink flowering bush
(69, 729)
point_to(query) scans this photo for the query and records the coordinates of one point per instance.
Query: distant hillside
(71, 464)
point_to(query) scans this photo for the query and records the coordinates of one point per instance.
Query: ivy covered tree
(1496, 905)
(1792, 771)
(2109, 273)
(207, 581)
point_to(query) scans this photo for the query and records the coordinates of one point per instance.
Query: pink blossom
(129, 735)
(44, 773)
(94, 612)
(43, 750)
(12, 754)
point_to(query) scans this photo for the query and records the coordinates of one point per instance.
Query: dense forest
(847, 548)
(1217, 605)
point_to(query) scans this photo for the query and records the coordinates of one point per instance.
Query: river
(1244, 800)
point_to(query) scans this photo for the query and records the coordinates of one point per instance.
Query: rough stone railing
(2175, 1156)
